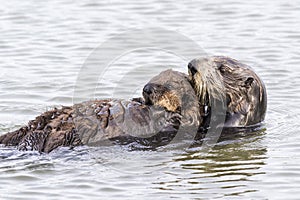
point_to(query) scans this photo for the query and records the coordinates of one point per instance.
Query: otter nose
(192, 69)
(148, 89)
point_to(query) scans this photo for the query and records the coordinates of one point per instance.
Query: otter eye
(167, 86)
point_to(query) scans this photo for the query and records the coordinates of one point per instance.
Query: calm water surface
(44, 45)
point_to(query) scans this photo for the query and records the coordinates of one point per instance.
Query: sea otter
(219, 79)
(169, 103)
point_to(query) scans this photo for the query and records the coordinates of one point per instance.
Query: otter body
(220, 79)
(153, 120)
(171, 101)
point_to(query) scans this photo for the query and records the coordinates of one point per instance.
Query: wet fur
(101, 120)
(222, 79)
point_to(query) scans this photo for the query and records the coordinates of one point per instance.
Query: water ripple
(42, 48)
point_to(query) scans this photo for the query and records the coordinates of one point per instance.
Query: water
(44, 45)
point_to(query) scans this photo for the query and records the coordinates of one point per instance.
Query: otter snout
(148, 92)
(148, 89)
(153, 92)
(192, 68)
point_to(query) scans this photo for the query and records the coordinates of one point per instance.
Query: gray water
(43, 47)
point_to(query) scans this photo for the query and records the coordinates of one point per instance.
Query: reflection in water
(225, 170)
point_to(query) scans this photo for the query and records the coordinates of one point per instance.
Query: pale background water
(43, 46)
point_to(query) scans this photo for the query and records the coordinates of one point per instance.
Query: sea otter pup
(168, 104)
(219, 79)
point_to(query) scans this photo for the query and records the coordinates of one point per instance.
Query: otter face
(161, 95)
(164, 90)
(223, 78)
(173, 91)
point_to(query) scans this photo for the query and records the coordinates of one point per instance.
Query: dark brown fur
(223, 79)
(96, 122)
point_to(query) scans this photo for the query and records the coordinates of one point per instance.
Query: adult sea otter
(219, 79)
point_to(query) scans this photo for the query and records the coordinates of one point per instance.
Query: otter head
(173, 91)
(162, 95)
(219, 78)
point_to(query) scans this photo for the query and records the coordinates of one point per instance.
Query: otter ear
(249, 81)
